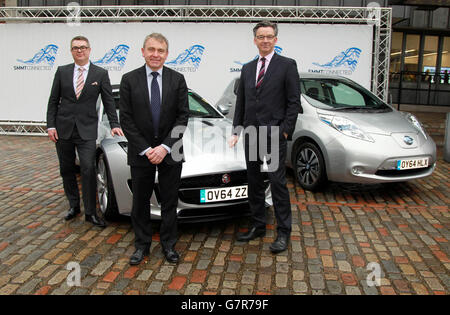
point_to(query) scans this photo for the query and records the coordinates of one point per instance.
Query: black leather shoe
(280, 244)
(72, 213)
(138, 256)
(94, 219)
(251, 234)
(171, 255)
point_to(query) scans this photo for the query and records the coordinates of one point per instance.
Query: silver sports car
(347, 134)
(213, 180)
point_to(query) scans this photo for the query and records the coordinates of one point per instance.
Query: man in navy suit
(154, 112)
(268, 99)
(72, 123)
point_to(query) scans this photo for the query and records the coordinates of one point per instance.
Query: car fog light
(356, 170)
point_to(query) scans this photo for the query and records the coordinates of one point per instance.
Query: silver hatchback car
(347, 134)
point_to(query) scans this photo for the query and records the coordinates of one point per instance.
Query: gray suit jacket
(65, 111)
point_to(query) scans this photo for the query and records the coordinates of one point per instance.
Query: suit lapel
(165, 90)
(252, 68)
(70, 73)
(143, 81)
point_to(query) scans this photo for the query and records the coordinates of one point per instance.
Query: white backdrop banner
(210, 55)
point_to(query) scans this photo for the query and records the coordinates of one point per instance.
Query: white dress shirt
(258, 67)
(76, 72)
(149, 84)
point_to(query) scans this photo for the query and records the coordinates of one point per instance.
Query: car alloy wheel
(105, 190)
(309, 166)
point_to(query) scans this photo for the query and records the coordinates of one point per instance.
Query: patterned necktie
(155, 102)
(261, 73)
(80, 82)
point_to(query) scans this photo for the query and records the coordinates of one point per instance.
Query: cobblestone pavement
(336, 234)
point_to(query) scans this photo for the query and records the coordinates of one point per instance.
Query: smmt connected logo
(344, 63)
(189, 60)
(278, 50)
(42, 60)
(114, 60)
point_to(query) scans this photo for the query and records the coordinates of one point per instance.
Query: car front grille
(190, 187)
(214, 180)
(189, 191)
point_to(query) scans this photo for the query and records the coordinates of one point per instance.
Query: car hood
(377, 123)
(206, 149)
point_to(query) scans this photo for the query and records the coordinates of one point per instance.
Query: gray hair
(82, 38)
(266, 24)
(159, 37)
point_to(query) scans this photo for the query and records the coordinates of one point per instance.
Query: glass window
(430, 57)
(412, 52)
(338, 94)
(445, 61)
(198, 107)
(396, 52)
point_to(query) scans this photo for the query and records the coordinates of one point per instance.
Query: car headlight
(346, 126)
(416, 123)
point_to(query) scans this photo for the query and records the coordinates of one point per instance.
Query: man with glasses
(72, 123)
(268, 100)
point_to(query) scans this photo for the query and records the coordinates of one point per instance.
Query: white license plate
(412, 163)
(222, 194)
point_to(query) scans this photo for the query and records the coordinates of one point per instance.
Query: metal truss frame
(380, 18)
(26, 128)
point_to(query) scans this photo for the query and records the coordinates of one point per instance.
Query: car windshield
(198, 107)
(340, 95)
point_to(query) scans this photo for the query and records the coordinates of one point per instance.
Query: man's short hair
(266, 24)
(80, 38)
(159, 37)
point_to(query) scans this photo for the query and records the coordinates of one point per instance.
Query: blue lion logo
(191, 56)
(46, 54)
(117, 55)
(347, 59)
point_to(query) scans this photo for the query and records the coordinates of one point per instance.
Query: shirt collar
(149, 71)
(268, 57)
(86, 67)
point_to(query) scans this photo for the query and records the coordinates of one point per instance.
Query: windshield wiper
(205, 116)
(352, 108)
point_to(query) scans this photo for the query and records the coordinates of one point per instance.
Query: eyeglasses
(269, 37)
(81, 48)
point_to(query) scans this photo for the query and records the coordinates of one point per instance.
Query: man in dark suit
(72, 123)
(268, 99)
(154, 113)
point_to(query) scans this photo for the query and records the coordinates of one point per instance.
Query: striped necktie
(261, 73)
(80, 82)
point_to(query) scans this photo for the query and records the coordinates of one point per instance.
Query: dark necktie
(261, 73)
(155, 102)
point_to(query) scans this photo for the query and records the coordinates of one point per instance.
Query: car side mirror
(223, 109)
(236, 86)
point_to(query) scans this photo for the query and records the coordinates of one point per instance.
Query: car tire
(309, 166)
(105, 190)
